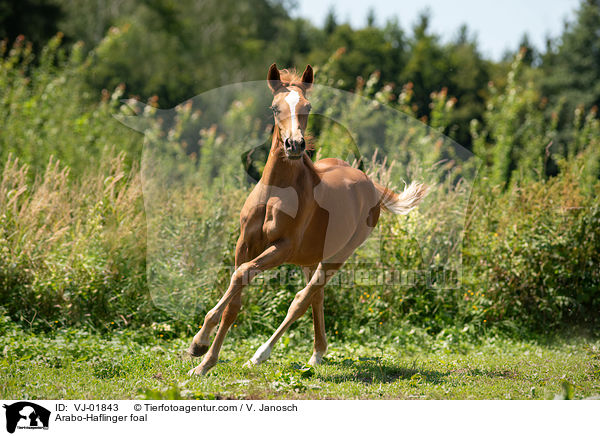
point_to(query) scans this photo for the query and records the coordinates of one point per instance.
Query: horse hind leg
(320, 341)
(320, 344)
(302, 300)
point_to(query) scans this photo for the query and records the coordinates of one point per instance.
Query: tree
(530, 54)
(178, 49)
(427, 64)
(330, 22)
(35, 19)
(371, 18)
(572, 68)
(361, 53)
(466, 79)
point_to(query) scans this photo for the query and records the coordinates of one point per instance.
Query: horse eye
(275, 109)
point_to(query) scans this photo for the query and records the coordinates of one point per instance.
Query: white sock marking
(262, 354)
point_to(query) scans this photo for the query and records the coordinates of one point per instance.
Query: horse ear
(273, 78)
(308, 77)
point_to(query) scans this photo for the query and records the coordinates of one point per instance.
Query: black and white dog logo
(26, 415)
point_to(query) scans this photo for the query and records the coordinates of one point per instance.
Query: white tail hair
(407, 200)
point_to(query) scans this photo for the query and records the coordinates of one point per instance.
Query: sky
(497, 25)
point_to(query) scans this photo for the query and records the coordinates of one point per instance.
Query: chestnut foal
(309, 214)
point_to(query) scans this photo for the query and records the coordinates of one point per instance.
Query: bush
(533, 255)
(74, 249)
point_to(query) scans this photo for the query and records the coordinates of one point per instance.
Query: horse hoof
(197, 371)
(315, 360)
(196, 350)
(248, 364)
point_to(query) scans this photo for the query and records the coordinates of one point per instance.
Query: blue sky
(498, 25)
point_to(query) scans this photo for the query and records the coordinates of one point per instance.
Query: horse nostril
(302, 144)
(287, 143)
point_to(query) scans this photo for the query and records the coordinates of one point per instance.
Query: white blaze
(292, 100)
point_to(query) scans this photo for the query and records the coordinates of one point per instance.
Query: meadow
(73, 364)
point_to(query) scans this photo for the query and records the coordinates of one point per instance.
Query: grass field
(72, 364)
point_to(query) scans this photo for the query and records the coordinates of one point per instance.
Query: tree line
(176, 50)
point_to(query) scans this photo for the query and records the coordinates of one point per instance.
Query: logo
(26, 415)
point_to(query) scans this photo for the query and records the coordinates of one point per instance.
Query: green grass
(79, 365)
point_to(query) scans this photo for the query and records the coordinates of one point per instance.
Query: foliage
(73, 244)
(176, 50)
(572, 63)
(516, 144)
(47, 110)
(532, 254)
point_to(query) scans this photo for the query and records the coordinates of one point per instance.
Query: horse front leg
(273, 256)
(227, 319)
(200, 345)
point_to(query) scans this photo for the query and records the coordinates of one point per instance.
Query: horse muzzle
(294, 148)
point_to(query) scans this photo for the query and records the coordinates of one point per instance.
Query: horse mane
(289, 77)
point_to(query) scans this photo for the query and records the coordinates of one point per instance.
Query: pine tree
(330, 22)
(573, 68)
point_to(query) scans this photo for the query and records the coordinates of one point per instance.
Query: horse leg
(228, 318)
(300, 304)
(320, 342)
(273, 256)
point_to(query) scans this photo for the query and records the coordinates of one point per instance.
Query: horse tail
(404, 202)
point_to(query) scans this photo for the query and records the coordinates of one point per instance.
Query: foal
(309, 214)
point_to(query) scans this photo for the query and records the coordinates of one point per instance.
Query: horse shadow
(370, 370)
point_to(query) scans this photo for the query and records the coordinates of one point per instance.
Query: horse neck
(282, 172)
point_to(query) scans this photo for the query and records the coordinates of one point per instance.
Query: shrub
(71, 252)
